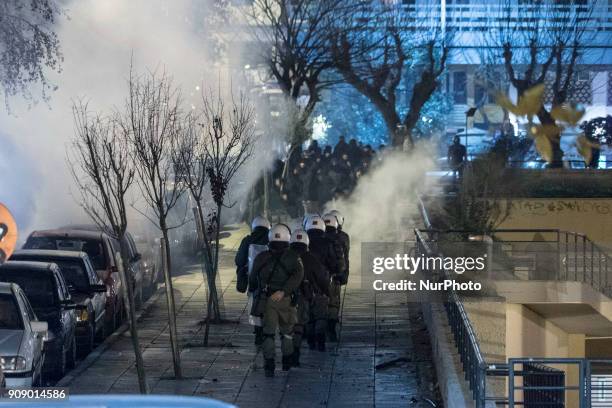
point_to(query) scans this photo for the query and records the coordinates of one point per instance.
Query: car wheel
(89, 343)
(71, 357)
(111, 320)
(37, 379)
(60, 369)
(101, 333)
(138, 300)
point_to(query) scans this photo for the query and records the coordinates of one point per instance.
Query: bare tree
(28, 46)
(102, 168)
(483, 199)
(228, 139)
(190, 158)
(378, 47)
(291, 35)
(153, 119)
(542, 43)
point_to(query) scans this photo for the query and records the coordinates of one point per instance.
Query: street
(377, 331)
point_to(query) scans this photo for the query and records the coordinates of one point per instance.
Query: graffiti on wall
(561, 206)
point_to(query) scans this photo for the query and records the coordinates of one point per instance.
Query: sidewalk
(381, 330)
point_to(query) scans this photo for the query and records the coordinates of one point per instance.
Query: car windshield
(92, 247)
(38, 287)
(9, 313)
(74, 273)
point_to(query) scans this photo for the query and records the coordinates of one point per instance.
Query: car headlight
(12, 363)
(82, 315)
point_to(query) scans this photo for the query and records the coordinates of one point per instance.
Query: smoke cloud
(98, 40)
(382, 208)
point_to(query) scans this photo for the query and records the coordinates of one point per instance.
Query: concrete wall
(592, 217)
(531, 335)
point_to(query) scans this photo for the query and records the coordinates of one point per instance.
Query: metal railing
(541, 385)
(463, 332)
(554, 254)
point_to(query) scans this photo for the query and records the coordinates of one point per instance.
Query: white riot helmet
(330, 221)
(306, 218)
(338, 216)
(300, 236)
(279, 233)
(260, 221)
(315, 222)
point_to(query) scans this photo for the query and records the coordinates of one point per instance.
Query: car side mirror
(40, 328)
(137, 257)
(97, 288)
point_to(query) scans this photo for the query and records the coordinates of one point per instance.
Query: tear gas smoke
(382, 207)
(98, 40)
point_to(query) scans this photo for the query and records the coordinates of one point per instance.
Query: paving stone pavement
(377, 330)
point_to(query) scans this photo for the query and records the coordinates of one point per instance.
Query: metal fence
(532, 382)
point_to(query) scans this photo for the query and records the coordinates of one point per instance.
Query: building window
(459, 87)
(579, 91)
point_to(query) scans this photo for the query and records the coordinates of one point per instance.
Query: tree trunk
(166, 264)
(216, 309)
(207, 264)
(557, 153)
(131, 309)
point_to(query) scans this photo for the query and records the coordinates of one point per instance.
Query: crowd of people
(293, 280)
(317, 175)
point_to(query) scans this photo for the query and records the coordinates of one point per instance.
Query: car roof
(68, 233)
(94, 228)
(49, 253)
(42, 267)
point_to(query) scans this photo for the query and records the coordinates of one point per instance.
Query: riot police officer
(338, 279)
(330, 253)
(277, 274)
(343, 237)
(249, 248)
(313, 298)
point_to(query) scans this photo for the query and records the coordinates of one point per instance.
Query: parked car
(136, 271)
(48, 294)
(86, 288)
(22, 339)
(98, 246)
(151, 263)
(122, 401)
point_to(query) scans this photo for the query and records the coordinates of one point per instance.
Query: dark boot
(331, 331)
(259, 337)
(269, 367)
(287, 362)
(296, 357)
(321, 342)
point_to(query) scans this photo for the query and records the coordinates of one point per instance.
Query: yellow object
(567, 113)
(585, 148)
(8, 233)
(544, 147)
(529, 103)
